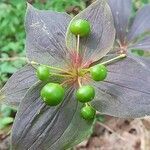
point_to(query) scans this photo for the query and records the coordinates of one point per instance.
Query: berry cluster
(53, 93)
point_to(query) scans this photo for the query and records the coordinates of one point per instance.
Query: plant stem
(79, 82)
(54, 68)
(65, 82)
(86, 104)
(113, 59)
(78, 43)
(12, 59)
(109, 61)
(60, 75)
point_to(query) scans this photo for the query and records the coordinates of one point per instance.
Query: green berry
(80, 27)
(52, 94)
(88, 112)
(98, 72)
(43, 73)
(85, 94)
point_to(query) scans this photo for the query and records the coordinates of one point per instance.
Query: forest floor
(119, 134)
(113, 134)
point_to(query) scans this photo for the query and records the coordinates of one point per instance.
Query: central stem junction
(77, 72)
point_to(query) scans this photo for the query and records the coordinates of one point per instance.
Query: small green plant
(12, 39)
(6, 117)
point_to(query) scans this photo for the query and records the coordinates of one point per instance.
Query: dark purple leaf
(101, 39)
(16, 87)
(126, 91)
(141, 23)
(46, 31)
(143, 44)
(41, 127)
(143, 49)
(121, 10)
(142, 60)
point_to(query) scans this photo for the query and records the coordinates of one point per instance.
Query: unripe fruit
(98, 72)
(88, 112)
(80, 27)
(43, 73)
(85, 94)
(52, 94)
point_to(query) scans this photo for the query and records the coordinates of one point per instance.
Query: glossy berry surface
(85, 94)
(43, 73)
(52, 94)
(80, 27)
(98, 72)
(88, 112)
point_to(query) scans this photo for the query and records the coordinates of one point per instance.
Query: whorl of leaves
(125, 93)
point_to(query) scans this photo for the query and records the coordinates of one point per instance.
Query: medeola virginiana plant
(77, 66)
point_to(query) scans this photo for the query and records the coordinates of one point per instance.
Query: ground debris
(118, 134)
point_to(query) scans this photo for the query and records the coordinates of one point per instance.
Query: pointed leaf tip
(17, 85)
(125, 93)
(57, 127)
(45, 31)
(102, 35)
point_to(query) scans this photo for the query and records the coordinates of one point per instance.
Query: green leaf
(137, 52)
(5, 121)
(7, 67)
(6, 111)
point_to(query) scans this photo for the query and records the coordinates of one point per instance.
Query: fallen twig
(111, 130)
